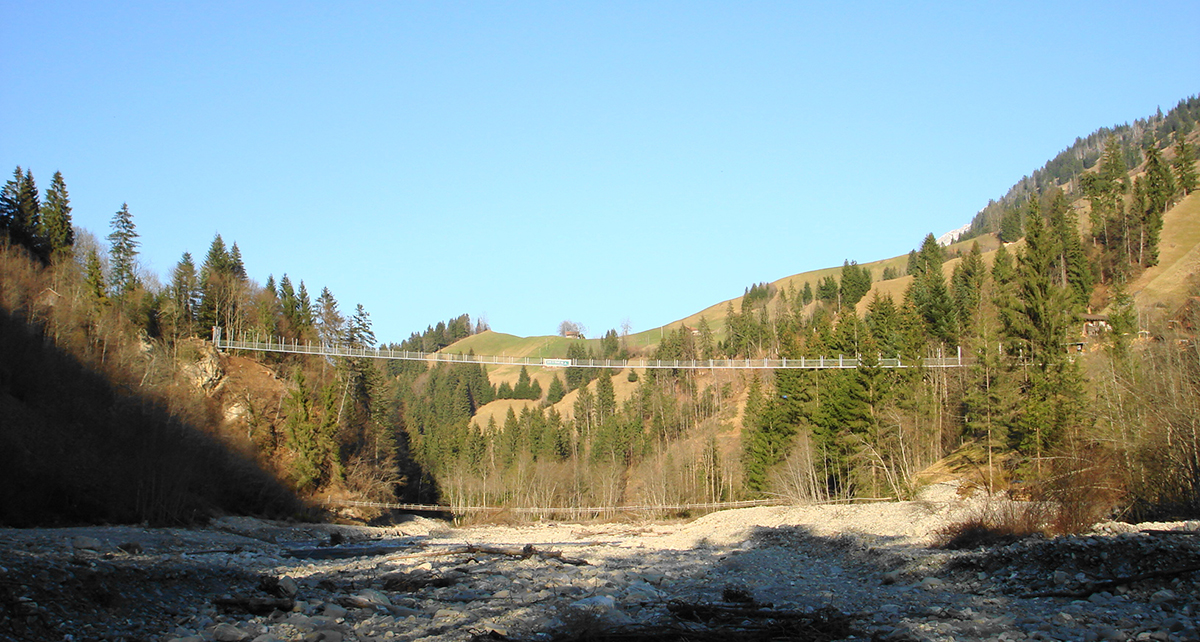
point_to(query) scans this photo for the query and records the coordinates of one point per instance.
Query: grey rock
(287, 587)
(374, 596)
(1163, 595)
(931, 584)
(85, 543)
(225, 632)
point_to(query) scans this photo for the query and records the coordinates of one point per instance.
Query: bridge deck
(804, 363)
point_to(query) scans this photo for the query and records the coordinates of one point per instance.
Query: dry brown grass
(996, 523)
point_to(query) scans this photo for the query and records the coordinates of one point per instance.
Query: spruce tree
(1072, 265)
(606, 400)
(123, 253)
(1039, 322)
(523, 389)
(1010, 225)
(216, 288)
(10, 197)
(184, 292)
(29, 216)
(1185, 166)
(94, 277)
(56, 218)
(856, 282)
(236, 267)
(556, 391)
(928, 293)
(20, 212)
(329, 320)
(966, 288)
(304, 311)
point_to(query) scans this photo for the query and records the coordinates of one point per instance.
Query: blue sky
(533, 162)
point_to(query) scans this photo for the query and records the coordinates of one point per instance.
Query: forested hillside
(1075, 389)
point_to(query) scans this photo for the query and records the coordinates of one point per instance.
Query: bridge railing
(271, 344)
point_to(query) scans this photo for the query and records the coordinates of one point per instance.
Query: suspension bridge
(273, 344)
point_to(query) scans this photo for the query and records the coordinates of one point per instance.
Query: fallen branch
(525, 552)
(1096, 587)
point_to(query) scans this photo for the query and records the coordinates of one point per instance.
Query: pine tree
(883, 322)
(1073, 268)
(20, 212)
(966, 288)
(1038, 323)
(305, 317)
(358, 332)
(827, 289)
(329, 319)
(856, 282)
(94, 277)
(10, 198)
(1156, 189)
(556, 391)
(56, 218)
(1185, 166)
(29, 217)
(606, 400)
(236, 267)
(184, 292)
(123, 253)
(1010, 225)
(216, 287)
(928, 293)
(1105, 189)
(523, 389)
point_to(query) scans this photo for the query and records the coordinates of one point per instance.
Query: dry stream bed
(798, 573)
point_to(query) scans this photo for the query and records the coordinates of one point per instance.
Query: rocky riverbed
(804, 573)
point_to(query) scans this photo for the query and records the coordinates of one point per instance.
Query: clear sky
(539, 161)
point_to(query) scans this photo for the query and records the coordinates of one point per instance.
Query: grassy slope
(1166, 283)
(1178, 258)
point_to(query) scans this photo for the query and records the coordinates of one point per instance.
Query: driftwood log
(470, 549)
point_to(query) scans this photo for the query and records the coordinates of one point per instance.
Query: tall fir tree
(184, 293)
(1185, 166)
(10, 198)
(856, 282)
(20, 212)
(1039, 323)
(94, 277)
(1072, 266)
(966, 289)
(329, 319)
(216, 288)
(56, 218)
(122, 254)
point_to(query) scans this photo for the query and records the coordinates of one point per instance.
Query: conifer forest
(1076, 389)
